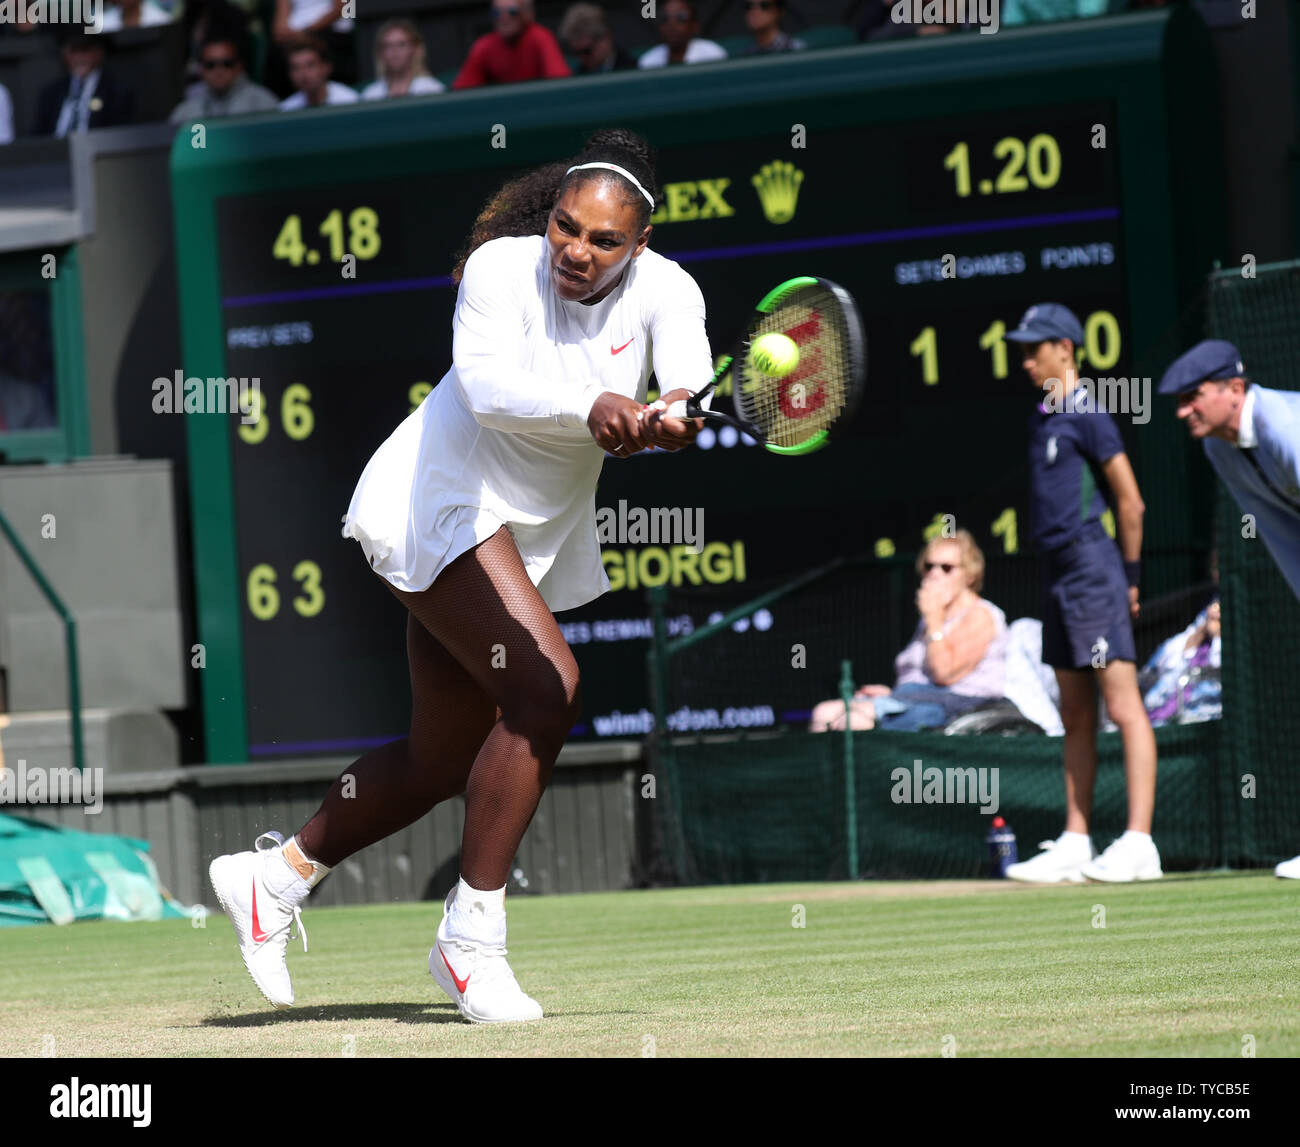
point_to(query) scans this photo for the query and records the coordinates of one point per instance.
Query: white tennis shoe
(1127, 859)
(1061, 861)
(263, 921)
(1289, 869)
(476, 976)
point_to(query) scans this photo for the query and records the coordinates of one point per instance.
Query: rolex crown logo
(777, 184)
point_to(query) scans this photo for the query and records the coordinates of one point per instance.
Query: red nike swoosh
(460, 984)
(258, 934)
(624, 346)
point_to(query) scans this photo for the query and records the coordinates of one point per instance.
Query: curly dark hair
(523, 205)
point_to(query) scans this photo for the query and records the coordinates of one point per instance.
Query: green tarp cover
(50, 874)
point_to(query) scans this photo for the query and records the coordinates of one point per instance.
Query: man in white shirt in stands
(678, 25)
(310, 67)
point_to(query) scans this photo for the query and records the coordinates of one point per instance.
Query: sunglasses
(680, 17)
(761, 5)
(505, 11)
(213, 62)
(947, 567)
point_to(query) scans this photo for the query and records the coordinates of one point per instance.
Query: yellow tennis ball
(774, 355)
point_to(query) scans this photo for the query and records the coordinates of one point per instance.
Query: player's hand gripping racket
(792, 412)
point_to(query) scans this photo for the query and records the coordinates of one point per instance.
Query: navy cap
(1209, 359)
(1047, 321)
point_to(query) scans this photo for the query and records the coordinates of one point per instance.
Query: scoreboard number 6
(264, 598)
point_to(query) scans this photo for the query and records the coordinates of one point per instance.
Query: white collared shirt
(420, 86)
(335, 93)
(698, 51)
(1246, 427)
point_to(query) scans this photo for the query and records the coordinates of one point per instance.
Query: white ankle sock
(492, 901)
(1131, 834)
(282, 878)
(478, 914)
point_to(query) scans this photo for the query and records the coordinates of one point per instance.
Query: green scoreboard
(948, 185)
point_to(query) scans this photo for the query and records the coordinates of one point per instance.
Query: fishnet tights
(494, 694)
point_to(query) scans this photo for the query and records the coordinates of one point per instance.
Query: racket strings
(792, 409)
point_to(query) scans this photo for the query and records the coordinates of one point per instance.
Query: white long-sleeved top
(503, 438)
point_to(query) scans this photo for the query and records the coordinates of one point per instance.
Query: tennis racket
(794, 414)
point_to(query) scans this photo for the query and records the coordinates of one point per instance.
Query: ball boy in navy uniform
(1090, 593)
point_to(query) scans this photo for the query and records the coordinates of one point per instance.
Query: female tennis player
(479, 514)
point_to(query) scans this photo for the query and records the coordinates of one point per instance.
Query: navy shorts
(1085, 605)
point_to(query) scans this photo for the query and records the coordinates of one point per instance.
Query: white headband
(626, 174)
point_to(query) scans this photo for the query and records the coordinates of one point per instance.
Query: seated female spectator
(956, 660)
(763, 18)
(679, 26)
(1187, 686)
(399, 64)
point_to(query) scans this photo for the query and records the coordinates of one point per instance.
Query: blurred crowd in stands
(258, 55)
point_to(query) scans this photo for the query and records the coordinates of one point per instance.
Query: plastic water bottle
(1002, 847)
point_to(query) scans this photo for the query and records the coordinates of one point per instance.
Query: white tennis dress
(503, 438)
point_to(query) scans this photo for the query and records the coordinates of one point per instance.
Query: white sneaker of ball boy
(1288, 869)
(261, 892)
(1071, 858)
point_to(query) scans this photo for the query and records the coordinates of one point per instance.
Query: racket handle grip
(676, 409)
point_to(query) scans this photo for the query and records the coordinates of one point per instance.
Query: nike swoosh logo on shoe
(258, 934)
(461, 985)
(624, 346)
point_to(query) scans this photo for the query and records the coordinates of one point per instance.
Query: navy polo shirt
(1066, 451)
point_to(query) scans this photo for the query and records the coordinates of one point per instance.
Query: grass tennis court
(1184, 967)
